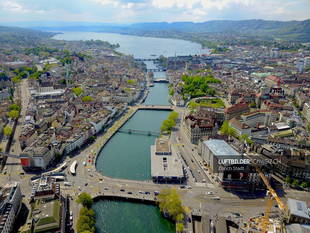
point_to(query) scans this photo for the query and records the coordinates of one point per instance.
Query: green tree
(7, 130)
(16, 79)
(15, 107)
(13, 114)
(170, 203)
(87, 98)
(227, 130)
(288, 180)
(179, 227)
(77, 91)
(131, 81)
(295, 182)
(304, 184)
(245, 137)
(173, 116)
(85, 199)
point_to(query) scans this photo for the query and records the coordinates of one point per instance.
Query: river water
(127, 156)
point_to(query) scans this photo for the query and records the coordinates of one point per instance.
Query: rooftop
(166, 165)
(162, 145)
(298, 208)
(220, 148)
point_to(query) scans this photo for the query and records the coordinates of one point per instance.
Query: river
(127, 156)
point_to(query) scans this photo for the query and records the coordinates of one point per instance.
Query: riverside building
(166, 166)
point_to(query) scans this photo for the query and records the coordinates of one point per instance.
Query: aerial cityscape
(155, 116)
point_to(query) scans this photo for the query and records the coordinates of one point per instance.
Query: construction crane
(263, 222)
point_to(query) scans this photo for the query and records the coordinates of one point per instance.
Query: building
(166, 166)
(213, 149)
(10, 203)
(236, 110)
(199, 125)
(36, 158)
(240, 127)
(48, 208)
(297, 211)
(258, 118)
(273, 81)
(306, 111)
(231, 170)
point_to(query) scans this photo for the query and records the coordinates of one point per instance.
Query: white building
(166, 166)
(36, 157)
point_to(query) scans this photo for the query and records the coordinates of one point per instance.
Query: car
(86, 184)
(140, 192)
(189, 187)
(182, 187)
(156, 193)
(129, 192)
(204, 181)
(209, 193)
(216, 198)
(122, 190)
(147, 193)
(106, 189)
(67, 184)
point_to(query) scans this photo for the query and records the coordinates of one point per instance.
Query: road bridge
(161, 80)
(155, 107)
(157, 70)
(142, 132)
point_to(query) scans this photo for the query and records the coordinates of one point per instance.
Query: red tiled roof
(237, 108)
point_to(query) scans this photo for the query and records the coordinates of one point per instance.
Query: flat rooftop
(162, 145)
(220, 148)
(165, 165)
(298, 208)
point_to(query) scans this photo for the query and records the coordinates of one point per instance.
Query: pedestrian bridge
(141, 132)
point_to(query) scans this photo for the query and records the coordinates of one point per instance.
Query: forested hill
(290, 30)
(13, 36)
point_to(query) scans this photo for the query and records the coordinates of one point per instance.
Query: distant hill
(13, 36)
(288, 30)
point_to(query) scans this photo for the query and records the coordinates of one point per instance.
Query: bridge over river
(142, 132)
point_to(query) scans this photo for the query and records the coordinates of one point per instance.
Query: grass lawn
(211, 103)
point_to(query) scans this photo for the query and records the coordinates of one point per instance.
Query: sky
(131, 11)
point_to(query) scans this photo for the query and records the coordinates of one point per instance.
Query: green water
(126, 155)
(128, 217)
(158, 95)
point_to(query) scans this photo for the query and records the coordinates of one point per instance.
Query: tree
(173, 116)
(7, 131)
(85, 199)
(295, 182)
(245, 137)
(13, 114)
(304, 184)
(179, 227)
(15, 107)
(170, 203)
(227, 130)
(77, 91)
(288, 180)
(16, 79)
(87, 98)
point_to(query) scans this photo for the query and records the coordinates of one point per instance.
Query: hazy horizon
(22, 12)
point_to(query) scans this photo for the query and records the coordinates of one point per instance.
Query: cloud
(16, 7)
